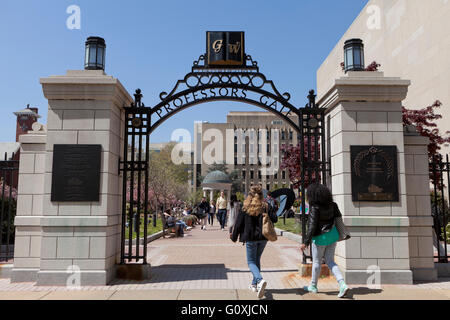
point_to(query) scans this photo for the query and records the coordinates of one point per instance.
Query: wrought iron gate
(312, 145)
(440, 179)
(205, 84)
(8, 195)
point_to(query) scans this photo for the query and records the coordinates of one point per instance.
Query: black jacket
(321, 220)
(249, 228)
(204, 207)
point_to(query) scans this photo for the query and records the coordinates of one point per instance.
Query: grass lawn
(150, 229)
(290, 226)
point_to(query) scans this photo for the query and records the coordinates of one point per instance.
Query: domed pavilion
(216, 181)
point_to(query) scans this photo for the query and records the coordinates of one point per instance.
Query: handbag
(344, 234)
(268, 230)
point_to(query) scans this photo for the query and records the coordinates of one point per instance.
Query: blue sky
(151, 44)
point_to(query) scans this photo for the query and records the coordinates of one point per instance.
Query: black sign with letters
(374, 173)
(225, 49)
(76, 173)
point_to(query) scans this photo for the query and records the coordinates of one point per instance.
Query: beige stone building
(411, 40)
(242, 143)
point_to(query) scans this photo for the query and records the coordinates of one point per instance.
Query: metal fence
(440, 195)
(9, 170)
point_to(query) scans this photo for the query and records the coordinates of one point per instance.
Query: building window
(276, 175)
(235, 161)
(290, 135)
(235, 148)
(277, 122)
(268, 187)
(283, 135)
(251, 174)
(259, 174)
(243, 174)
(283, 175)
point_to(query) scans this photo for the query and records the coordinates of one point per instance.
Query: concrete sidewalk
(206, 265)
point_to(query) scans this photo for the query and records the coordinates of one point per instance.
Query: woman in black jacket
(322, 235)
(248, 227)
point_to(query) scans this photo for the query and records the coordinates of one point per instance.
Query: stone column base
(82, 278)
(23, 275)
(385, 277)
(136, 272)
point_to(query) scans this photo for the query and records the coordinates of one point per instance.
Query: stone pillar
(364, 108)
(419, 208)
(85, 107)
(211, 196)
(27, 246)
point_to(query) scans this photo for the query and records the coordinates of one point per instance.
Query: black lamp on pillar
(354, 55)
(95, 54)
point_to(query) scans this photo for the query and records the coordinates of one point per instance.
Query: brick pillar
(364, 108)
(27, 246)
(419, 208)
(85, 107)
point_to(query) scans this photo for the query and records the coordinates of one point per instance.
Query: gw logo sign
(234, 53)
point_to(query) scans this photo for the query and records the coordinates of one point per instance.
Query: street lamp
(354, 55)
(95, 54)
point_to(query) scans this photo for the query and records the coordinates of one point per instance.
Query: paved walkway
(205, 264)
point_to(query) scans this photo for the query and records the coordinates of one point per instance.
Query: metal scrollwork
(213, 83)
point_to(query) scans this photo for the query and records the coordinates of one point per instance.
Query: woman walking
(235, 207)
(221, 207)
(248, 226)
(322, 235)
(211, 214)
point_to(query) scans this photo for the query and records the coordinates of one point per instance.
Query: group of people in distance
(245, 223)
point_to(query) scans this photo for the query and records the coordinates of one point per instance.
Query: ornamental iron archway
(207, 83)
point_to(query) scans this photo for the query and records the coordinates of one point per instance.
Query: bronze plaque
(76, 173)
(374, 173)
(225, 49)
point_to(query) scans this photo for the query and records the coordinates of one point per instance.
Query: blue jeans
(182, 225)
(221, 216)
(254, 253)
(327, 252)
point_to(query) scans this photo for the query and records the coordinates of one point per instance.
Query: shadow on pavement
(359, 291)
(294, 291)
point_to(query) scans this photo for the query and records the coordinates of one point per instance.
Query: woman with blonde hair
(249, 226)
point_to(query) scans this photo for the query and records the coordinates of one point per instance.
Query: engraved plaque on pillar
(76, 173)
(374, 173)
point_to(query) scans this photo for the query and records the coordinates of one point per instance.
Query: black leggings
(211, 218)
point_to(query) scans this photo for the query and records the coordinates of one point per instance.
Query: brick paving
(208, 260)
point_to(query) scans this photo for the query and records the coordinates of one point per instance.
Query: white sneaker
(252, 287)
(188, 228)
(261, 288)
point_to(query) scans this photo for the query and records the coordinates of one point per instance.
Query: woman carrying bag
(254, 226)
(325, 229)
